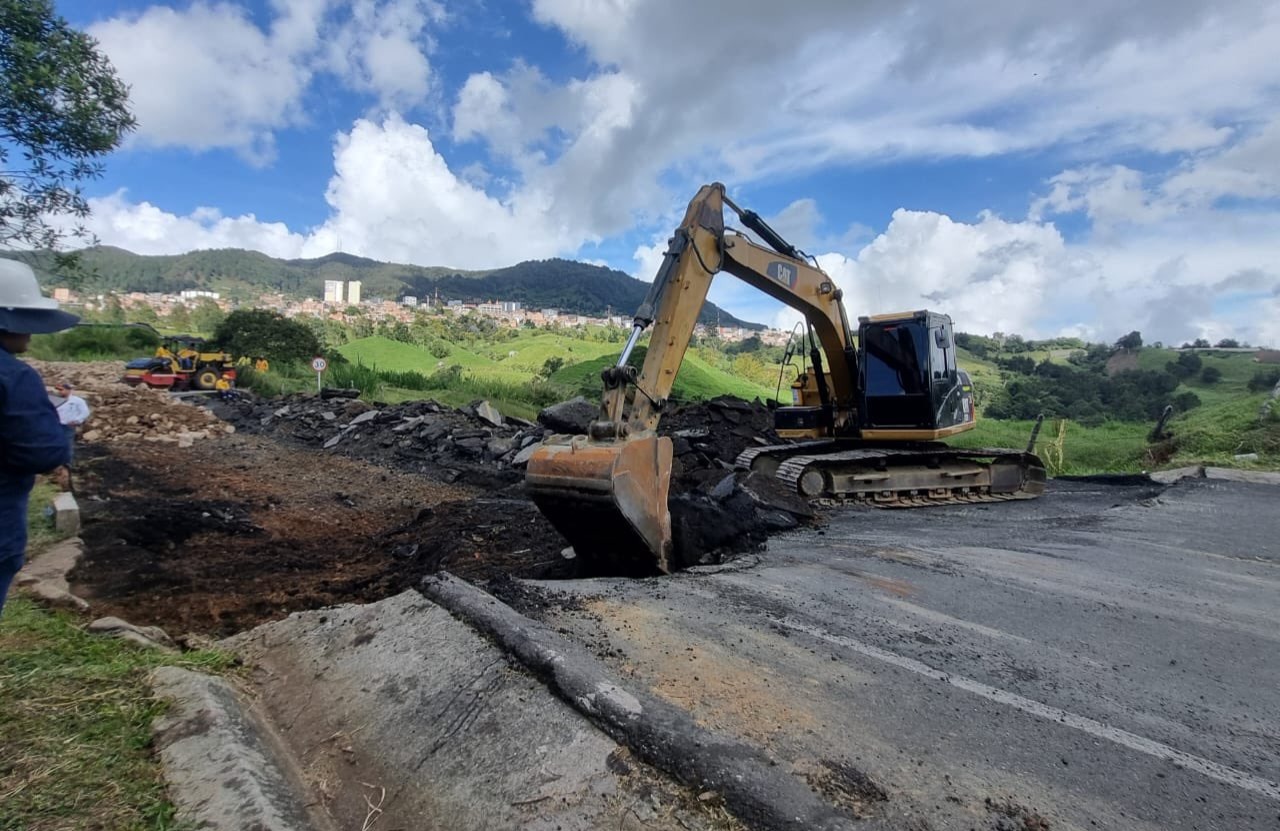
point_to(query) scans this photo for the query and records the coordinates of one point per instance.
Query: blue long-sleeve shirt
(31, 441)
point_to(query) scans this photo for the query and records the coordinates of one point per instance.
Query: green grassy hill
(696, 380)
(1225, 424)
(531, 349)
(391, 355)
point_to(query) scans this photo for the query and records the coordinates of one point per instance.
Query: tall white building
(353, 293)
(333, 291)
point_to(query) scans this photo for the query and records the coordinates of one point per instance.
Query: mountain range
(568, 285)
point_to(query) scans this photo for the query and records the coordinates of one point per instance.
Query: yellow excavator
(866, 426)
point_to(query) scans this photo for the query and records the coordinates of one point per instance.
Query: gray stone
(522, 458)
(573, 416)
(1256, 477)
(282, 412)
(724, 488)
(333, 441)
(489, 414)
(408, 424)
(46, 575)
(150, 636)
(327, 416)
(499, 447)
(366, 416)
(66, 513)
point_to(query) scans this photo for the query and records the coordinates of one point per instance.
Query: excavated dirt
(303, 502)
(224, 536)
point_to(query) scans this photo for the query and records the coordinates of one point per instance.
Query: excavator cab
(907, 384)
(909, 379)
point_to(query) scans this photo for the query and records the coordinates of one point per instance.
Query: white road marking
(1213, 770)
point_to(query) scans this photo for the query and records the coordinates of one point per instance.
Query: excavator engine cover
(609, 499)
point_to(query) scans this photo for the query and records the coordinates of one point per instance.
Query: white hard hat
(23, 308)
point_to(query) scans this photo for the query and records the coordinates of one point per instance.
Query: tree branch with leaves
(62, 109)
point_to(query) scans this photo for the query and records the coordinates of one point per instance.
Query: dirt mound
(474, 445)
(709, 436)
(713, 515)
(121, 412)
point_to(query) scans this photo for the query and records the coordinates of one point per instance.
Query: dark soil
(228, 534)
(244, 531)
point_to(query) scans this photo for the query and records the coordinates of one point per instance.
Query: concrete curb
(1226, 474)
(46, 575)
(225, 769)
(754, 786)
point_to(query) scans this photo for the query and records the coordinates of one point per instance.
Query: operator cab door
(909, 374)
(952, 402)
(897, 375)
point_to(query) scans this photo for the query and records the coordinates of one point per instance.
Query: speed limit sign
(319, 365)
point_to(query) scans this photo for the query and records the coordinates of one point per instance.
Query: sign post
(319, 365)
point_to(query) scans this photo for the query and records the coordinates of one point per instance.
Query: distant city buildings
(343, 303)
(339, 291)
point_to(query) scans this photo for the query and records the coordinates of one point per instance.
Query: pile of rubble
(121, 412)
(715, 508)
(474, 445)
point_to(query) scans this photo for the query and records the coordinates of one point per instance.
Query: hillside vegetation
(1100, 403)
(568, 285)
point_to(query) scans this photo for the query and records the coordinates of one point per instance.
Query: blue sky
(1057, 168)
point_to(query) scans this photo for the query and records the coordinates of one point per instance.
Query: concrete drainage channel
(391, 714)
(405, 713)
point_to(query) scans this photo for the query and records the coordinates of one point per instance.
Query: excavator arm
(607, 491)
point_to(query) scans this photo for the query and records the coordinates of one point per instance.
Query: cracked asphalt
(1105, 657)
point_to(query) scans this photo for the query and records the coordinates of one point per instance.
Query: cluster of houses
(342, 302)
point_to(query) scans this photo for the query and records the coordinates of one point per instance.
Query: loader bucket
(609, 499)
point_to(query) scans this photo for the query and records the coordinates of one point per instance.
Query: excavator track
(908, 476)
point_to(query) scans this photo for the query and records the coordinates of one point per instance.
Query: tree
(1188, 364)
(253, 332)
(1211, 375)
(206, 316)
(1264, 379)
(1130, 342)
(142, 313)
(62, 108)
(113, 312)
(551, 366)
(179, 317)
(1228, 343)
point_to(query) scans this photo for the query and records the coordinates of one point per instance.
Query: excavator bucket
(609, 499)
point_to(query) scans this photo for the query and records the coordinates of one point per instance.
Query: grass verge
(75, 718)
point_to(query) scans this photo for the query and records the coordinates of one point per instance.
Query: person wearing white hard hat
(31, 436)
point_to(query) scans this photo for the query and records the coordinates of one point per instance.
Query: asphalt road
(1104, 657)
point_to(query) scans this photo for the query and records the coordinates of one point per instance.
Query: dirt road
(1101, 658)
